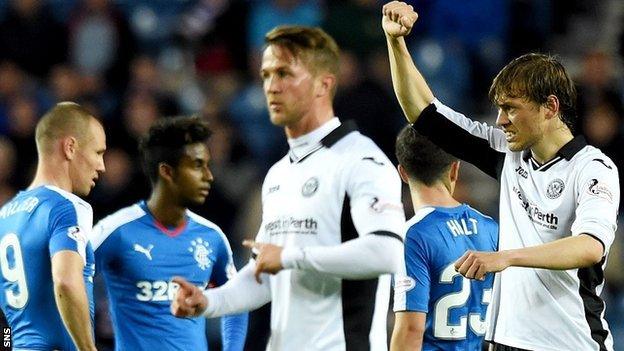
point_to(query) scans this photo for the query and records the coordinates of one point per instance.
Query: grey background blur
(133, 61)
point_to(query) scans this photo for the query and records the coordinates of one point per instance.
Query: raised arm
(409, 85)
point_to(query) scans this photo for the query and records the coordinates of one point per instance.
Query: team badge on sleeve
(201, 253)
(74, 233)
(596, 188)
(403, 284)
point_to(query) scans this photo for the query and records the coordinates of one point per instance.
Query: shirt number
(16, 294)
(442, 328)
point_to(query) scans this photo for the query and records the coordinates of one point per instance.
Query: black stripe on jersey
(546, 166)
(387, 233)
(589, 279)
(358, 296)
(458, 142)
(573, 146)
(345, 128)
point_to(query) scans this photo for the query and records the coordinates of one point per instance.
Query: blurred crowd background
(133, 61)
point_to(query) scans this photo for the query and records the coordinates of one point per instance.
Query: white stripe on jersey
(84, 217)
(106, 226)
(203, 221)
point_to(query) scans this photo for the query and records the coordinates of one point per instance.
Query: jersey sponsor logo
(596, 188)
(74, 233)
(291, 225)
(310, 187)
(403, 284)
(146, 251)
(27, 205)
(373, 160)
(603, 163)
(158, 290)
(555, 188)
(546, 220)
(201, 253)
(522, 172)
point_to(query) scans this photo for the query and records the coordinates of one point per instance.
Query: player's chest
(547, 197)
(308, 187)
(155, 257)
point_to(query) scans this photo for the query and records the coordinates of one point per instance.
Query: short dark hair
(535, 77)
(312, 45)
(166, 140)
(422, 160)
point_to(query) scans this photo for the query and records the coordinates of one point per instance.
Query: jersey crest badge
(201, 253)
(555, 188)
(310, 187)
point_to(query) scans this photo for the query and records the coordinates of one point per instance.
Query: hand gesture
(189, 300)
(398, 19)
(475, 264)
(268, 260)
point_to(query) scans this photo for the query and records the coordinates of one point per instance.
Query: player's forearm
(363, 258)
(567, 253)
(234, 331)
(240, 294)
(409, 85)
(71, 298)
(73, 305)
(406, 337)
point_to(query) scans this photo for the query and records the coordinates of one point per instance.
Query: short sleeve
(224, 268)
(598, 200)
(70, 224)
(413, 282)
(374, 192)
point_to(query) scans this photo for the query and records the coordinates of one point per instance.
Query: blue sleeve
(417, 268)
(106, 252)
(65, 231)
(224, 267)
(233, 327)
(234, 331)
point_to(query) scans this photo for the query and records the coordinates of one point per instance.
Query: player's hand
(398, 18)
(189, 300)
(268, 260)
(475, 264)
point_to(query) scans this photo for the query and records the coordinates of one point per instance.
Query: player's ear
(454, 171)
(403, 174)
(325, 84)
(69, 146)
(165, 171)
(552, 106)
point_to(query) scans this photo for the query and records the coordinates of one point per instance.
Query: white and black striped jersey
(333, 186)
(574, 193)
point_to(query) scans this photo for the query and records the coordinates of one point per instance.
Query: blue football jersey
(455, 306)
(138, 257)
(35, 225)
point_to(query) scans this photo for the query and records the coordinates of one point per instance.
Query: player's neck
(315, 118)
(437, 195)
(548, 146)
(164, 210)
(55, 175)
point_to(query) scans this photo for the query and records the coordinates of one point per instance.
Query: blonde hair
(65, 118)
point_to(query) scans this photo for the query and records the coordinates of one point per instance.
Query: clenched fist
(398, 19)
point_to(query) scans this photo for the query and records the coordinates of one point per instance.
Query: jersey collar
(566, 152)
(307, 144)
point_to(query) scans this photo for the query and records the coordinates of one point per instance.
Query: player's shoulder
(59, 197)
(476, 213)
(417, 225)
(109, 224)
(205, 223)
(355, 144)
(591, 156)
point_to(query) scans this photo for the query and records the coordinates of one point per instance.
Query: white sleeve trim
(366, 257)
(105, 227)
(240, 294)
